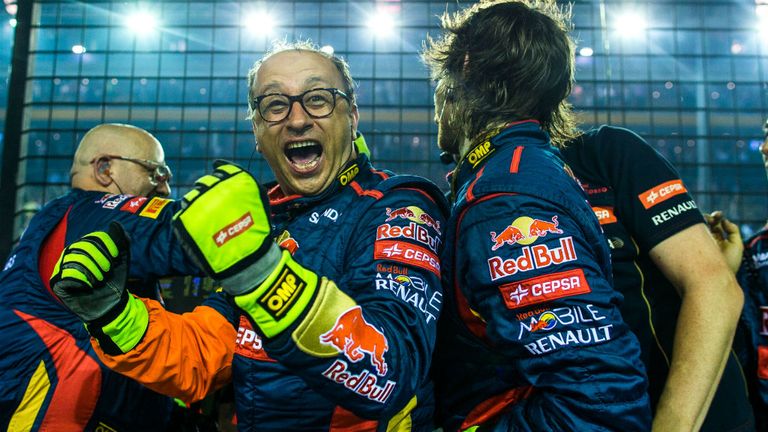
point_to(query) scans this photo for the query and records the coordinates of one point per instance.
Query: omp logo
(154, 207)
(348, 175)
(477, 154)
(524, 230)
(544, 288)
(233, 230)
(660, 193)
(604, 215)
(282, 294)
(353, 336)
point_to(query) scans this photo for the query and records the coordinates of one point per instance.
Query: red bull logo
(414, 214)
(524, 230)
(429, 221)
(353, 336)
(510, 235)
(547, 321)
(402, 212)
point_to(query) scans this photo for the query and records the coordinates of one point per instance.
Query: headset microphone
(446, 158)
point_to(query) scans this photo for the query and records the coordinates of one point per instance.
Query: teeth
(301, 144)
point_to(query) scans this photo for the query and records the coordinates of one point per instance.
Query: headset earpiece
(102, 167)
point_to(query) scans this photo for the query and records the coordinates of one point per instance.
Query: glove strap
(120, 334)
(282, 298)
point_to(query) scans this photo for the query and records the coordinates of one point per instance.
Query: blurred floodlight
(259, 23)
(586, 52)
(141, 22)
(761, 10)
(327, 49)
(382, 24)
(630, 24)
(12, 22)
(78, 49)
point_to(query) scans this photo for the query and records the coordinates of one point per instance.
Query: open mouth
(304, 155)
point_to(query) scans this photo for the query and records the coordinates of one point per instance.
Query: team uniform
(531, 336)
(640, 201)
(752, 335)
(377, 237)
(50, 377)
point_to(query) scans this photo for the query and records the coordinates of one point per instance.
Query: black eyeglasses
(318, 103)
(158, 172)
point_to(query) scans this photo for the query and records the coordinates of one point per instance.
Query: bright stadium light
(630, 24)
(12, 22)
(141, 22)
(761, 10)
(382, 24)
(259, 23)
(586, 52)
(78, 49)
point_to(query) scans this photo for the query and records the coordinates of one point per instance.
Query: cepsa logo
(406, 253)
(414, 214)
(133, 205)
(545, 288)
(248, 343)
(353, 336)
(233, 230)
(660, 193)
(604, 215)
(563, 316)
(531, 258)
(524, 230)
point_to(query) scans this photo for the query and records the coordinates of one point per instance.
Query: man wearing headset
(50, 378)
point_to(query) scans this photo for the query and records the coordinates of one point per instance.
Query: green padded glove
(90, 279)
(224, 226)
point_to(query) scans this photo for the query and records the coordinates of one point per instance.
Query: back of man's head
(91, 164)
(505, 61)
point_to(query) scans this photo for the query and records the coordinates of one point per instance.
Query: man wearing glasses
(332, 330)
(50, 377)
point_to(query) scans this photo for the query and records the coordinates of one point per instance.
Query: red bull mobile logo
(353, 336)
(524, 230)
(415, 214)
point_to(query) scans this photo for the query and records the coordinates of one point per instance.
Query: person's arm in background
(727, 237)
(711, 304)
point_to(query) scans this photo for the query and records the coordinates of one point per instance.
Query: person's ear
(102, 170)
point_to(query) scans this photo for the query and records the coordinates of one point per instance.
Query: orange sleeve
(183, 356)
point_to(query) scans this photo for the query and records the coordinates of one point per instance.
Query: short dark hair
(302, 45)
(505, 61)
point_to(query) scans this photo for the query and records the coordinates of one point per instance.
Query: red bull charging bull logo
(415, 214)
(353, 336)
(524, 230)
